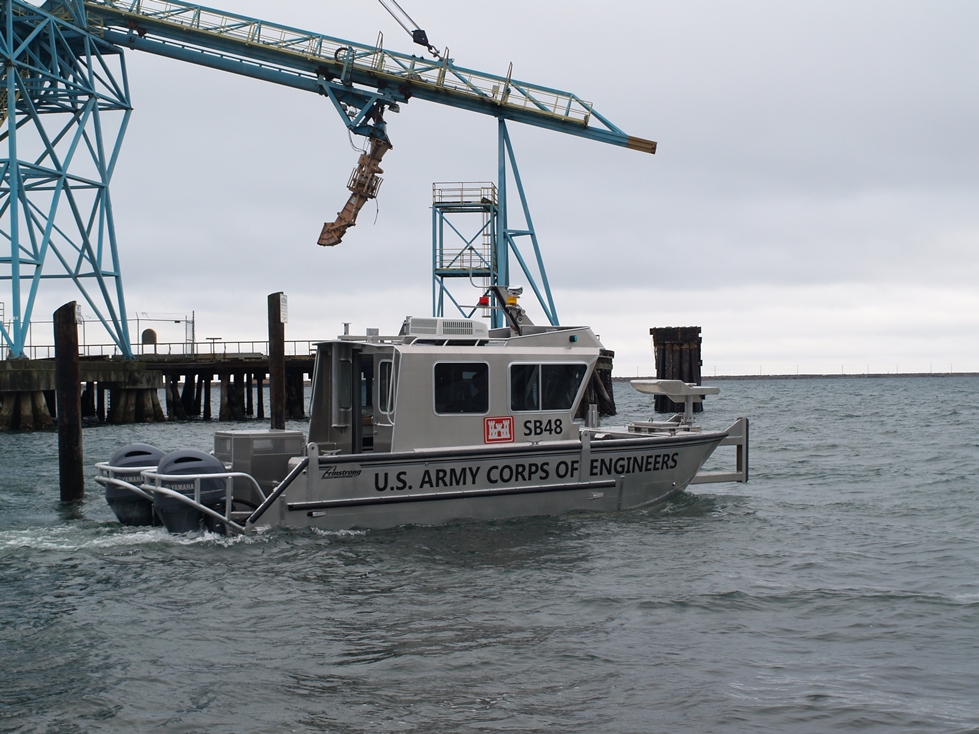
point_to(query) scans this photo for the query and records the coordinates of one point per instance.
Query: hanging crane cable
(411, 27)
(365, 179)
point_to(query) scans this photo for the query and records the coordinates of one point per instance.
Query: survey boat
(448, 419)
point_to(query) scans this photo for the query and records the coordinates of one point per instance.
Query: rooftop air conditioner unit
(465, 328)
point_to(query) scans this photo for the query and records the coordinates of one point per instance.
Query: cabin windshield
(545, 386)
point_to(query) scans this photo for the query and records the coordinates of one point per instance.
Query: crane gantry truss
(337, 67)
(57, 60)
(64, 107)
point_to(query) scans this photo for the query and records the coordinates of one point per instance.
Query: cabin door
(342, 404)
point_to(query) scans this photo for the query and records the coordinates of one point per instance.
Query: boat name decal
(332, 472)
(538, 427)
(521, 472)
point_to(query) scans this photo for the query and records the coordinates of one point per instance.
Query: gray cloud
(808, 151)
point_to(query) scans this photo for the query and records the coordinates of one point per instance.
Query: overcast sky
(812, 205)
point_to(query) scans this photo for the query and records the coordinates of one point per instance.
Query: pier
(118, 391)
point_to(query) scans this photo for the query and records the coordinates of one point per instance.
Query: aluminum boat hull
(490, 483)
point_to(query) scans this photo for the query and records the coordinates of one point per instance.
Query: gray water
(836, 591)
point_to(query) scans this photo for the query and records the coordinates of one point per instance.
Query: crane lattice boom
(260, 48)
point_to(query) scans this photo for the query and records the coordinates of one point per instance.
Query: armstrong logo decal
(332, 472)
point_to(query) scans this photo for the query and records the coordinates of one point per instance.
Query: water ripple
(835, 591)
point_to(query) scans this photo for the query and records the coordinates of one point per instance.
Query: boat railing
(153, 484)
(688, 394)
(122, 483)
(737, 436)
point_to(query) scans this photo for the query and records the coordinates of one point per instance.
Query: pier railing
(219, 349)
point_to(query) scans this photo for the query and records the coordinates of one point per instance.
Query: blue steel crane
(65, 57)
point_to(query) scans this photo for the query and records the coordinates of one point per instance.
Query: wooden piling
(235, 387)
(207, 397)
(168, 394)
(198, 394)
(100, 402)
(67, 378)
(223, 408)
(249, 398)
(260, 389)
(175, 403)
(7, 404)
(677, 350)
(295, 395)
(122, 406)
(240, 403)
(26, 421)
(88, 400)
(277, 360)
(144, 406)
(187, 394)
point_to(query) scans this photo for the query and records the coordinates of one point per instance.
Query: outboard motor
(131, 508)
(180, 517)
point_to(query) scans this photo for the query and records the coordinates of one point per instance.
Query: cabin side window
(461, 387)
(524, 387)
(345, 399)
(385, 386)
(545, 386)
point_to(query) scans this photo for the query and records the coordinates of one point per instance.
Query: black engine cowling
(177, 516)
(129, 507)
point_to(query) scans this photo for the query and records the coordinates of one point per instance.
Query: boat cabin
(449, 382)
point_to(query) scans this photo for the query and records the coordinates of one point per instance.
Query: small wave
(338, 533)
(90, 536)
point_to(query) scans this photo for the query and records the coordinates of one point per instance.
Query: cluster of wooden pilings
(27, 391)
(119, 392)
(677, 350)
(188, 387)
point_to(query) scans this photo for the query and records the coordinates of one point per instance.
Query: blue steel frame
(57, 81)
(507, 237)
(505, 242)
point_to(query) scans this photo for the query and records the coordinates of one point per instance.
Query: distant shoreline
(842, 376)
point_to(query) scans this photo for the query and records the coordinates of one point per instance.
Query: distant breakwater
(830, 376)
